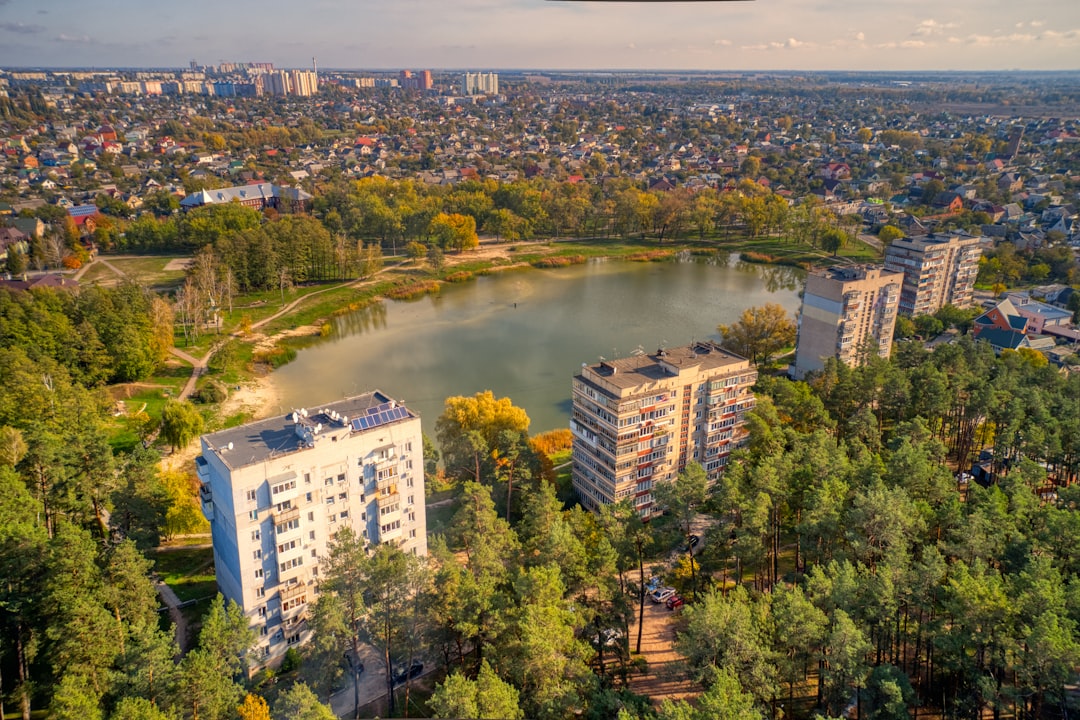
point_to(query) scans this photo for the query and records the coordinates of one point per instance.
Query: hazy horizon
(764, 35)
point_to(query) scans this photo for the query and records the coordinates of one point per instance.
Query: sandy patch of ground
(179, 264)
(264, 342)
(666, 678)
(257, 398)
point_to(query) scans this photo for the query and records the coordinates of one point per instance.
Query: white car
(659, 595)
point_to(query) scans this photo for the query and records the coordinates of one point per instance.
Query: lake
(523, 333)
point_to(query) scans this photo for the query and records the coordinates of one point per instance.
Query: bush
(557, 262)
(212, 392)
(291, 661)
(458, 277)
(413, 291)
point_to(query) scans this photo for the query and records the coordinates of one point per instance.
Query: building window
(264, 631)
(255, 536)
(286, 547)
(341, 477)
(307, 478)
(289, 564)
(311, 535)
(408, 446)
(258, 572)
(410, 502)
(329, 499)
(343, 496)
(363, 516)
(260, 592)
(262, 611)
(253, 515)
(313, 553)
(328, 481)
(412, 533)
(308, 497)
(408, 464)
(251, 495)
(311, 517)
(282, 487)
(283, 505)
(287, 526)
(408, 482)
(293, 639)
(293, 603)
(344, 513)
(257, 555)
(333, 518)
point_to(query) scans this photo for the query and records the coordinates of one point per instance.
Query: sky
(506, 34)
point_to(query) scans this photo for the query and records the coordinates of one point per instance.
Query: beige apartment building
(845, 312)
(276, 492)
(638, 421)
(939, 269)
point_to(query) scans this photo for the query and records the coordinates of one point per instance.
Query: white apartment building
(276, 491)
(480, 84)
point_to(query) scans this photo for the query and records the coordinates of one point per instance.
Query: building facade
(939, 269)
(846, 312)
(276, 492)
(638, 421)
(480, 84)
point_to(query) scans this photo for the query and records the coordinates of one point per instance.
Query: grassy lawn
(98, 273)
(188, 571)
(150, 269)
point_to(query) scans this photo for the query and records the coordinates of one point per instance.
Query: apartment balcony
(202, 469)
(392, 497)
(284, 516)
(206, 498)
(291, 575)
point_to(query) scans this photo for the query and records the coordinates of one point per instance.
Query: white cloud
(932, 27)
(860, 36)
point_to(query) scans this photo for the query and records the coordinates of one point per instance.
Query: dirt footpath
(667, 674)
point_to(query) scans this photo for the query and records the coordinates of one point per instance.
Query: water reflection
(524, 334)
(367, 319)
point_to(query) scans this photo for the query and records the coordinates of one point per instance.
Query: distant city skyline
(911, 35)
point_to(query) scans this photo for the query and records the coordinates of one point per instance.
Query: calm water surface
(523, 334)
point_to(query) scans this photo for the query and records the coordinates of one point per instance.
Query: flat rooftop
(638, 370)
(273, 437)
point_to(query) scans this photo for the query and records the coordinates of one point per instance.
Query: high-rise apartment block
(420, 81)
(276, 492)
(847, 312)
(480, 84)
(302, 83)
(938, 269)
(638, 421)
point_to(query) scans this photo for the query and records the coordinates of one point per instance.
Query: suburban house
(1005, 328)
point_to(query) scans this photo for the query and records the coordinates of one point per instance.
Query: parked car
(691, 543)
(611, 636)
(403, 673)
(674, 602)
(659, 595)
(654, 583)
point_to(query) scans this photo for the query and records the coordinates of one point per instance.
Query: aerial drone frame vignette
(394, 381)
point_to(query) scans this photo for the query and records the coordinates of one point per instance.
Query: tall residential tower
(276, 492)
(846, 311)
(938, 269)
(638, 421)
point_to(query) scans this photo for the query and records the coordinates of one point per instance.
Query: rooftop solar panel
(379, 415)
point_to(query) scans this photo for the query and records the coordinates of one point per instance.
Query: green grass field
(189, 571)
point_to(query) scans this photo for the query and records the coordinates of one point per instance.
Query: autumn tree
(759, 333)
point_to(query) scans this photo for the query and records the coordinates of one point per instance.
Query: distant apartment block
(846, 312)
(939, 269)
(638, 421)
(302, 83)
(276, 492)
(480, 84)
(419, 81)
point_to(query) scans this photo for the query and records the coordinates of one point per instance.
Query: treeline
(98, 335)
(397, 212)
